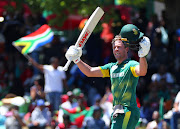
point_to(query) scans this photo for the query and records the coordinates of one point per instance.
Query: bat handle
(65, 68)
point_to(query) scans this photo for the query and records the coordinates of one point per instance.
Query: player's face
(119, 50)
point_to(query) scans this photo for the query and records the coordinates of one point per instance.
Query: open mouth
(117, 53)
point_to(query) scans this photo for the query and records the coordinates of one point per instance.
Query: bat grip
(65, 68)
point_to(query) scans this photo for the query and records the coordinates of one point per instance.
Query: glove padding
(73, 54)
(145, 47)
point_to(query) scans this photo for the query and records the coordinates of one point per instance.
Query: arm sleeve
(46, 67)
(132, 68)
(105, 70)
(63, 74)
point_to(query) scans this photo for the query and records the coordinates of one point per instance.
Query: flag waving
(34, 40)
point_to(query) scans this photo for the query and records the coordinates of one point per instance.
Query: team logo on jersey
(114, 67)
(135, 31)
(124, 66)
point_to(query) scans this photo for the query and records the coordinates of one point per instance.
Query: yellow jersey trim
(133, 71)
(105, 72)
(126, 120)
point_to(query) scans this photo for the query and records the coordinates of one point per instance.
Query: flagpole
(25, 55)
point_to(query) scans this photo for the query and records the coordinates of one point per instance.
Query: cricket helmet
(131, 36)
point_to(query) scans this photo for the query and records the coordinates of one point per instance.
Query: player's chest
(119, 71)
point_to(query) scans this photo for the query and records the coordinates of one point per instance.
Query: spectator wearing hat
(41, 116)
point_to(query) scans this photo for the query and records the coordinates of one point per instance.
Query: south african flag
(34, 40)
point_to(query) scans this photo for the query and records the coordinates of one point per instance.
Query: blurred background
(156, 92)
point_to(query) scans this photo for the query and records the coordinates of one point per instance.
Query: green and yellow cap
(130, 33)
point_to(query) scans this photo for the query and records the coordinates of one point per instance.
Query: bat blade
(87, 30)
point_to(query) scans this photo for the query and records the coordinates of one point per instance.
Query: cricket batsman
(124, 74)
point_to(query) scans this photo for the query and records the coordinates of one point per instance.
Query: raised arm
(74, 54)
(141, 69)
(88, 70)
(35, 64)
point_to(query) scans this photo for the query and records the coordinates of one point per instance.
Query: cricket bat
(87, 30)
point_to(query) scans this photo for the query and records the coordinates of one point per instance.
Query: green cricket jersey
(123, 81)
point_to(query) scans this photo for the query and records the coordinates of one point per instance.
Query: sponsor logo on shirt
(114, 75)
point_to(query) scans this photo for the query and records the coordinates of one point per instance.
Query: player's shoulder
(110, 64)
(133, 62)
(107, 66)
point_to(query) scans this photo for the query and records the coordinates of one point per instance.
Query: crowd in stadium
(24, 102)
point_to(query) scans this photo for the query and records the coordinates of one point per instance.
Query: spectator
(67, 124)
(176, 113)
(77, 93)
(163, 74)
(157, 123)
(13, 120)
(94, 122)
(146, 112)
(55, 81)
(41, 116)
(37, 91)
(69, 104)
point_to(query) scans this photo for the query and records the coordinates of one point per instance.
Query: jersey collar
(124, 62)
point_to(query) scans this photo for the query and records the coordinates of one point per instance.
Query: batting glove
(73, 54)
(145, 47)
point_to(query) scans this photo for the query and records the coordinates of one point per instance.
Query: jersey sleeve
(46, 68)
(63, 75)
(105, 70)
(133, 66)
